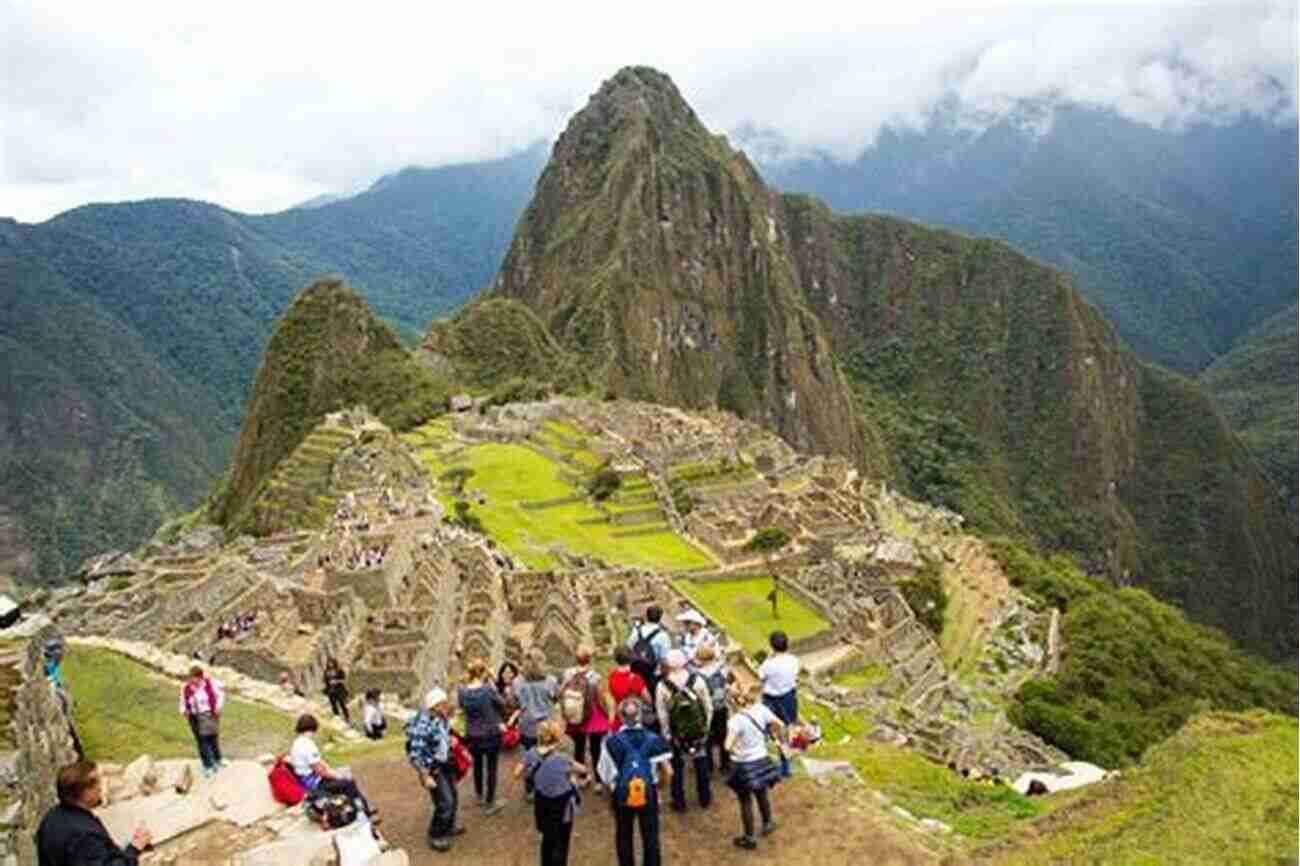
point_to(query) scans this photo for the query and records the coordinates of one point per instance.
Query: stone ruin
(433, 596)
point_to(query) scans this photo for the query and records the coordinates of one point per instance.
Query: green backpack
(687, 716)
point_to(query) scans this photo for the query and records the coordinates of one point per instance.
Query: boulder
(139, 778)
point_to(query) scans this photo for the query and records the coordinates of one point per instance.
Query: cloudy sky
(260, 105)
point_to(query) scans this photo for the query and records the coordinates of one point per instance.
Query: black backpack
(645, 659)
(331, 811)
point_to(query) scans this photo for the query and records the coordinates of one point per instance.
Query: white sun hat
(692, 616)
(434, 697)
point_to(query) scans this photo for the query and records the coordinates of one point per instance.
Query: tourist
(484, 711)
(336, 689)
(428, 748)
(535, 692)
(315, 775)
(628, 766)
(719, 679)
(649, 643)
(586, 707)
(287, 685)
(507, 676)
(753, 771)
(684, 708)
(695, 635)
(373, 722)
(626, 683)
(201, 702)
(779, 674)
(549, 774)
(70, 834)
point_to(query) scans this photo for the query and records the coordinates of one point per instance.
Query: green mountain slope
(100, 440)
(186, 293)
(1007, 396)
(1185, 238)
(1255, 387)
(328, 352)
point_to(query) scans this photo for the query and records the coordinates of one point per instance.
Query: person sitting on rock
(315, 775)
(373, 722)
(71, 835)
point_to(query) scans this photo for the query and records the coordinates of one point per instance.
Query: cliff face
(653, 252)
(1073, 440)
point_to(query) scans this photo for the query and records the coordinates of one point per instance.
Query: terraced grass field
(532, 510)
(742, 608)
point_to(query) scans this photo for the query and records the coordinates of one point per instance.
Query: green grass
(509, 474)
(123, 710)
(741, 606)
(1221, 791)
(861, 678)
(925, 789)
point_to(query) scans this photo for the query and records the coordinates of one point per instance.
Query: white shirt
(780, 674)
(750, 727)
(371, 716)
(692, 642)
(303, 754)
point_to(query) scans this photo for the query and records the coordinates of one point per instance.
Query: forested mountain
(658, 256)
(1255, 388)
(131, 334)
(1184, 238)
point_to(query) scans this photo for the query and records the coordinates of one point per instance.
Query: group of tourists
(653, 722)
(237, 626)
(662, 710)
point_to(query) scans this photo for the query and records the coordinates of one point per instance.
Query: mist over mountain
(1185, 238)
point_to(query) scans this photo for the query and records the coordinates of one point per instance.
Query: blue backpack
(634, 787)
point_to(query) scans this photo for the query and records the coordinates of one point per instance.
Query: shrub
(926, 597)
(768, 540)
(604, 483)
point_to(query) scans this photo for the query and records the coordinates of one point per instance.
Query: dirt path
(817, 826)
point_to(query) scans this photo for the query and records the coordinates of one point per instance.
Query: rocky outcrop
(654, 252)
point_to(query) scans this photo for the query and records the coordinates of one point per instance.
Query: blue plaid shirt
(428, 741)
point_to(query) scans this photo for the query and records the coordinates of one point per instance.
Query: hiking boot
(440, 844)
(490, 809)
(769, 828)
(749, 843)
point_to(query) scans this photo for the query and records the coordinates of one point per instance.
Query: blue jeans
(444, 797)
(786, 708)
(209, 747)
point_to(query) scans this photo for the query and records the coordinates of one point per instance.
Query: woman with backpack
(626, 683)
(719, 679)
(324, 785)
(586, 707)
(484, 710)
(336, 689)
(753, 770)
(201, 702)
(684, 708)
(549, 773)
(535, 692)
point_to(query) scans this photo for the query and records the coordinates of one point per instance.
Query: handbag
(207, 725)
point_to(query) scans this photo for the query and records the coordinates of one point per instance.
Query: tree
(768, 540)
(457, 476)
(604, 483)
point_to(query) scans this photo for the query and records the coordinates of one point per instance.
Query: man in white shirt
(779, 674)
(690, 689)
(695, 634)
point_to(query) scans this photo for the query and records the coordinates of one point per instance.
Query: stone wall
(45, 744)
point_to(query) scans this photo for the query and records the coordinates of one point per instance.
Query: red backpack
(460, 757)
(285, 787)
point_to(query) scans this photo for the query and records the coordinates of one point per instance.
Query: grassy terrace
(741, 606)
(123, 710)
(532, 511)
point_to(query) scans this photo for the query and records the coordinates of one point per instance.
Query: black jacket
(72, 836)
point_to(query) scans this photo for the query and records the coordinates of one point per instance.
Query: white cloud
(260, 105)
